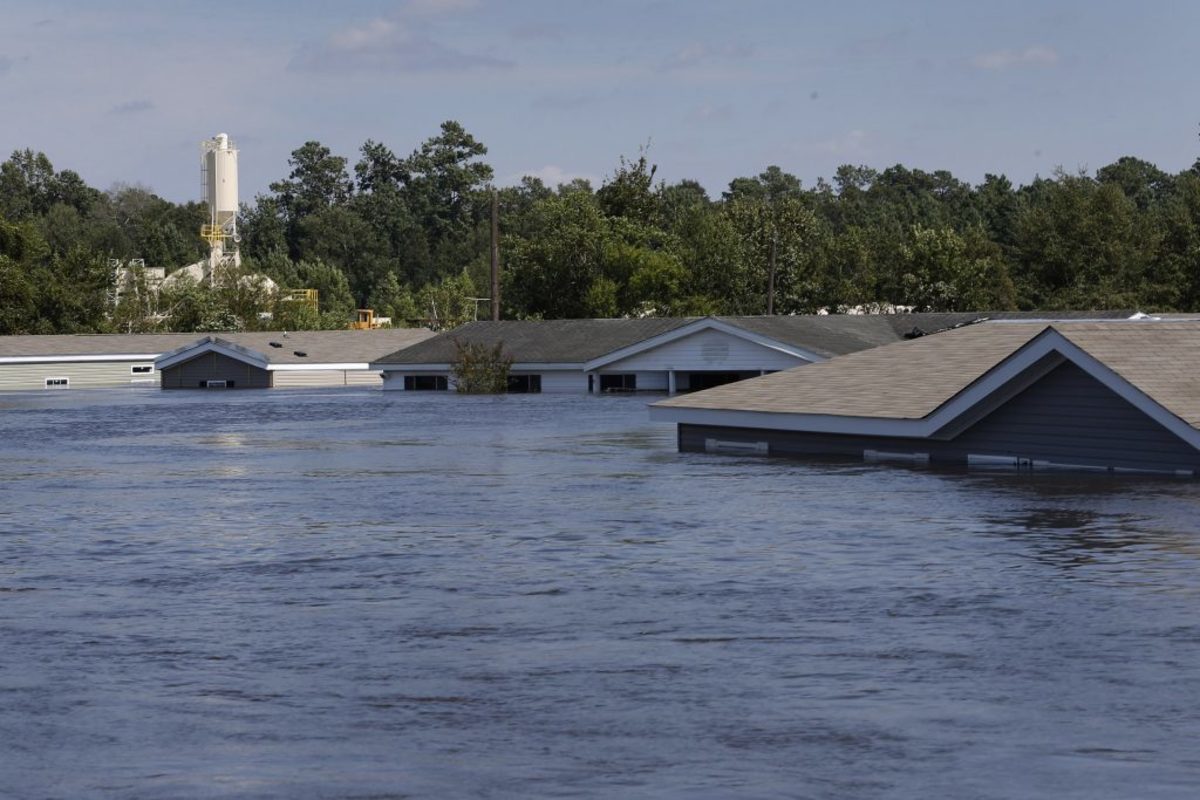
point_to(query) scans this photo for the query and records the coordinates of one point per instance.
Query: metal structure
(219, 176)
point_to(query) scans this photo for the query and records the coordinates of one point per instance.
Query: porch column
(670, 381)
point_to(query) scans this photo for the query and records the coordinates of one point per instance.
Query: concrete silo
(220, 177)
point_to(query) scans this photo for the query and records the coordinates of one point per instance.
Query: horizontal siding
(561, 381)
(363, 377)
(82, 375)
(711, 350)
(1067, 417)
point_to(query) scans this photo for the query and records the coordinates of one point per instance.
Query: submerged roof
(92, 344)
(318, 347)
(577, 341)
(339, 346)
(913, 379)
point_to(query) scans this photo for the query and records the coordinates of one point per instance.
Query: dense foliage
(408, 236)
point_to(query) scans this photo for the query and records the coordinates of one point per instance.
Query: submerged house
(83, 361)
(274, 359)
(654, 354)
(1113, 395)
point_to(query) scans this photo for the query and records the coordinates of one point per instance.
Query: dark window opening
(58, 381)
(216, 384)
(626, 382)
(426, 383)
(707, 380)
(141, 369)
(524, 384)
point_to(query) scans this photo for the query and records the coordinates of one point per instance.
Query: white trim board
(77, 359)
(708, 323)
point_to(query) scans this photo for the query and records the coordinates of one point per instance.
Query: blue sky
(124, 91)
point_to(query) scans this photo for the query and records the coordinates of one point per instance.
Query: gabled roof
(559, 341)
(593, 341)
(320, 348)
(919, 386)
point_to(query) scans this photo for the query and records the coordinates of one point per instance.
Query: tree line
(409, 237)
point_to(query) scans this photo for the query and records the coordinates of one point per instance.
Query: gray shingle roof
(912, 379)
(576, 341)
(571, 341)
(323, 346)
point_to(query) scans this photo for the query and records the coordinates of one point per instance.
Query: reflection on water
(351, 594)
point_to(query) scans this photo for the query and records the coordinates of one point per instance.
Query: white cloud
(699, 53)
(1035, 56)
(387, 45)
(852, 144)
(710, 113)
(551, 175)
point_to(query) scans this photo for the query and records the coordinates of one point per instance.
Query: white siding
(560, 380)
(706, 350)
(82, 375)
(290, 378)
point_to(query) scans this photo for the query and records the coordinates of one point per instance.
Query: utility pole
(495, 256)
(771, 278)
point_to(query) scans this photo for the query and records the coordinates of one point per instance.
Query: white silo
(220, 176)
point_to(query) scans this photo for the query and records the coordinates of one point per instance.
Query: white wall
(706, 350)
(82, 374)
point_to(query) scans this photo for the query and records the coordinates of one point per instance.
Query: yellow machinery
(365, 321)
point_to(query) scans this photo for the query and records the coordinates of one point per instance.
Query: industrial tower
(218, 173)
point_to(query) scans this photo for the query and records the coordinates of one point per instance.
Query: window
(426, 383)
(216, 384)
(618, 383)
(142, 369)
(524, 384)
(57, 383)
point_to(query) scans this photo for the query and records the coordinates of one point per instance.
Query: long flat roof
(577, 341)
(323, 346)
(912, 379)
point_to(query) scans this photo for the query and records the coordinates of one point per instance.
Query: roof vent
(301, 353)
(275, 344)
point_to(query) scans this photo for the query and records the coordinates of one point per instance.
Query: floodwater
(352, 594)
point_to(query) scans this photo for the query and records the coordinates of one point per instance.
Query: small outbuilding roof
(913, 380)
(299, 349)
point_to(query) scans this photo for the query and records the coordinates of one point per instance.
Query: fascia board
(78, 359)
(233, 351)
(316, 366)
(708, 323)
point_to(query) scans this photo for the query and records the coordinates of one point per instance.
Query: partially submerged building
(83, 361)
(277, 360)
(95, 361)
(670, 355)
(1112, 395)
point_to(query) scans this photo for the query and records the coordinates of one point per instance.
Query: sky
(124, 91)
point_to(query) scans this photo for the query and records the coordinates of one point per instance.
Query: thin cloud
(1036, 56)
(434, 8)
(551, 175)
(698, 53)
(132, 107)
(709, 113)
(387, 45)
(537, 32)
(6, 64)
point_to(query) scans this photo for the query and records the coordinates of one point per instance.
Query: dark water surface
(293, 594)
